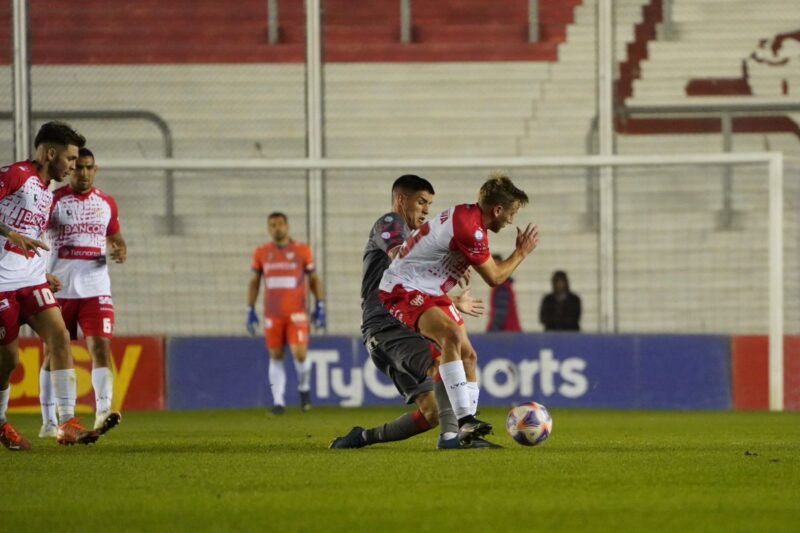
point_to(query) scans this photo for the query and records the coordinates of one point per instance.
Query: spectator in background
(561, 309)
(503, 306)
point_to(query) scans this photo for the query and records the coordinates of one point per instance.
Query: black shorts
(403, 355)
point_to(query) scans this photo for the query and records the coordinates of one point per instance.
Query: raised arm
(495, 273)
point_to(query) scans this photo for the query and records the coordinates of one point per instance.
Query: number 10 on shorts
(44, 296)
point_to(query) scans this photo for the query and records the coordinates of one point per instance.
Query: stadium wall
(673, 372)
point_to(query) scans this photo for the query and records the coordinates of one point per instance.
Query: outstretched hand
(468, 305)
(528, 239)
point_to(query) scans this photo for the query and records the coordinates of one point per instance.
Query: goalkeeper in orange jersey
(282, 266)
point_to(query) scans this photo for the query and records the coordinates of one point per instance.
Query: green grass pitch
(250, 471)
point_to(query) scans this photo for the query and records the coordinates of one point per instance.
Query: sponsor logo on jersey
(279, 266)
(82, 228)
(24, 217)
(385, 235)
(478, 235)
(387, 218)
(14, 249)
(86, 253)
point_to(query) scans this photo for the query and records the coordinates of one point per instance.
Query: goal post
(771, 162)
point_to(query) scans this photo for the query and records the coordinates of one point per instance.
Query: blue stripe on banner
(558, 370)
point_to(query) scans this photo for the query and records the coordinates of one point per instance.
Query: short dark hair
(500, 190)
(57, 132)
(85, 152)
(276, 214)
(411, 183)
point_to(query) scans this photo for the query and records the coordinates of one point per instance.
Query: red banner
(138, 367)
(751, 373)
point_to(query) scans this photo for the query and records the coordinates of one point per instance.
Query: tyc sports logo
(501, 379)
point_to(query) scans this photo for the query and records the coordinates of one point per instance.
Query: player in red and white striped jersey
(25, 295)
(83, 219)
(432, 260)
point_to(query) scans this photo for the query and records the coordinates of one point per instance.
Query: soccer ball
(529, 424)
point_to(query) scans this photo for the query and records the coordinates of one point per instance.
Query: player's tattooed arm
(26, 244)
(119, 250)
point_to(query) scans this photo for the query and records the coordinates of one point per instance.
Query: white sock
(303, 375)
(103, 384)
(277, 380)
(66, 389)
(455, 381)
(474, 393)
(4, 396)
(47, 398)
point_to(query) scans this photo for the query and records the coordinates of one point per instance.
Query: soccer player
(24, 292)
(430, 263)
(403, 355)
(283, 265)
(83, 222)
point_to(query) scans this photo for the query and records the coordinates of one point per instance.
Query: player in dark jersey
(406, 357)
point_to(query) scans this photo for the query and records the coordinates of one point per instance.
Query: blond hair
(500, 190)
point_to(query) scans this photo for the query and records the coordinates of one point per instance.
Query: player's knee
(9, 359)
(58, 340)
(101, 354)
(451, 340)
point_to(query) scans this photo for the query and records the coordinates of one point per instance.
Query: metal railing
(406, 19)
(132, 114)
(725, 109)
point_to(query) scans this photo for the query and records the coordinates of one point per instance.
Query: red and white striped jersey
(79, 225)
(24, 207)
(434, 257)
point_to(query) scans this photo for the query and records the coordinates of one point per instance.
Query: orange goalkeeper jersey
(283, 271)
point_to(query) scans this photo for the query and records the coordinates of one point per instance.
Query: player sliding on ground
(25, 296)
(400, 353)
(430, 263)
(83, 220)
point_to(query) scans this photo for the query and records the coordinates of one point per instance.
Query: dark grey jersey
(388, 232)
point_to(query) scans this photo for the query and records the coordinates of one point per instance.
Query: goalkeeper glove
(319, 315)
(252, 320)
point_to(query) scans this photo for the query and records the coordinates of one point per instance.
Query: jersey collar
(82, 196)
